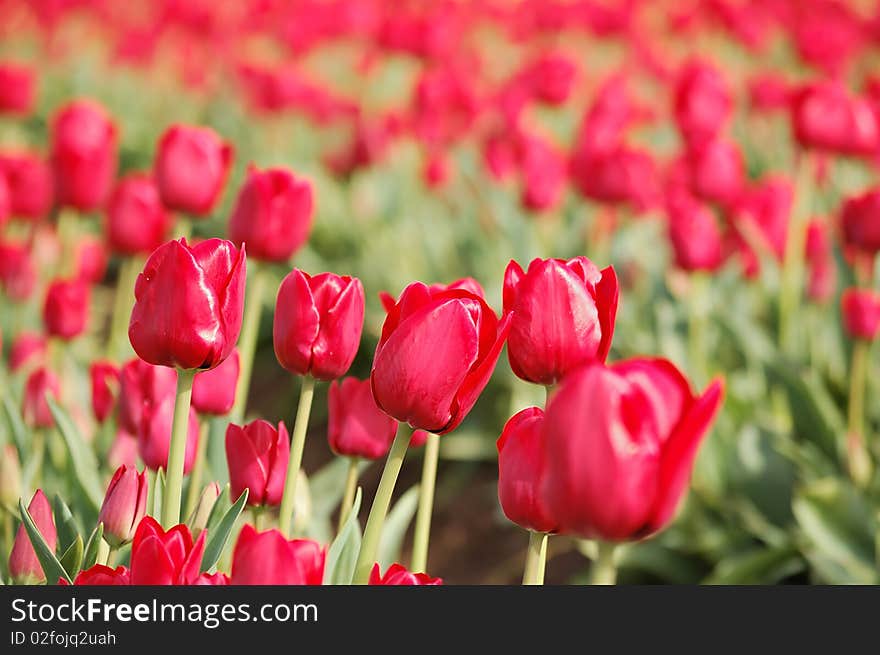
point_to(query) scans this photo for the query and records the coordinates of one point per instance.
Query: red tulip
(5, 200)
(191, 168)
(188, 304)
(397, 575)
(124, 450)
(544, 173)
(318, 323)
(17, 88)
(822, 272)
(125, 504)
(356, 427)
(30, 184)
(861, 313)
(165, 558)
(622, 175)
(715, 170)
(551, 78)
(83, 155)
(769, 92)
(824, 116)
(859, 219)
(521, 469)
(267, 558)
(27, 347)
(257, 456)
(419, 438)
(91, 260)
(105, 389)
(436, 171)
(35, 409)
(621, 442)
(137, 222)
(214, 390)
(273, 214)
(142, 386)
(703, 102)
(24, 567)
(217, 579)
(66, 309)
(436, 354)
(562, 316)
(764, 211)
(17, 272)
(694, 234)
(154, 435)
(101, 575)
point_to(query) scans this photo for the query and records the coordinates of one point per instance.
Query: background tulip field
(721, 155)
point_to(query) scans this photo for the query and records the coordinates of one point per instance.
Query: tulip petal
(296, 323)
(607, 297)
(512, 276)
(340, 329)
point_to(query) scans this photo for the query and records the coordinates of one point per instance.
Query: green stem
(381, 503)
(297, 443)
(257, 518)
(350, 489)
(604, 571)
(103, 553)
(122, 302)
(536, 559)
(697, 328)
(198, 470)
(859, 459)
(791, 281)
(177, 449)
(426, 505)
(183, 227)
(67, 231)
(247, 342)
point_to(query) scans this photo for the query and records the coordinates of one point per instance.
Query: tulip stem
(604, 571)
(426, 504)
(103, 556)
(247, 342)
(536, 559)
(128, 272)
(177, 449)
(198, 470)
(257, 518)
(858, 457)
(697, 328)
(297, 443)
(381, 503)
(350, 490)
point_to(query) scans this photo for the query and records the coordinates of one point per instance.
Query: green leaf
(158, 492)
(51, 566)
(395, 527)
(90, 556)
(343, 552)
(85, 464)
(72, 558)
(16, 426)
(758, 566)
(327, 486)
(64, 523)
(218, 511)
(217, 540)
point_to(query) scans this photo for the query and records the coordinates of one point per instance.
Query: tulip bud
(165, 558)
(716, 170)
(66, 309)
(191, 168)
(551, 78)
(824, 116)
(562, 316)
(273, 214)
(435, 356)
(257, 456)
(105, 389)
(703, 102)
(822, 272)
(694, 234)
(35, 409)
(861, 229)
(123, 450)
(125, 504)
(137, 222)
(267, 558)
(764, 211)
(214, 390)
(17, 88)
(10, 478)
(91, 260)
(24, 567)
(30, 184)
(154, 435)
(861, 313)
(356, 427)
(544, 174)
(29, 348)
(17, 273)
(188, 304)
(397, 575)
(142, 385)
(621, 175)
(621, 442)
(198, 521)
(83, 155)
(318, 323)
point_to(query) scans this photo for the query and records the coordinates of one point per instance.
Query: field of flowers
(421, 292)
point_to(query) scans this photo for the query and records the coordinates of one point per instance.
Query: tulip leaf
(218, 510)
(395, 527)
(343, 553)
(65, 524)
(72, 558)
(85, 464)
(757, 566)
(158, 492)
(327, 486)
(52, 568)
(90, 555)
(16, 426)
(217, 540)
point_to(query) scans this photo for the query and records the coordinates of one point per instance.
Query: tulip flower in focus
(17, 88)
(165, 558)
(66, 310)
(356, 427)
(397, 575)
(562, 315)
(257, 457)
(318, 323)
(125, 504)
(36, 410)
(105, 389)
(24, 567)
(137, 222)
(267, 558)
(861, 313)
(102, 576)
(214, 390)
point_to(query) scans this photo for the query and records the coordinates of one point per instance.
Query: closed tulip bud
(521, 469)
(544, 174)
(621, 175)
(273, 214)
(202, 512)
(17, 273)
(824, 116)
(435, 356)
(694, 234)
(318, 323)
(861, 313)
(716, 171)
(191, 168)
(29, 348)
(397, 575)
(83, 155)
(562, 316)
(267, 558)
(101, 576)
(125, 504)
(188, 304)
(257, 456)
(10, 478)
(91, 260)
(123, 450)
(137, 222)
(24, 567)
(30, 184)
(165, 558)
(142, 385)
(551, 78)
(105, 389)
(154, 435)
(356, 427)
(703, 102)
(17, 88)
(214, 390)
(621, 442)
(66, 310)
(859, 219)
(35, 409)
